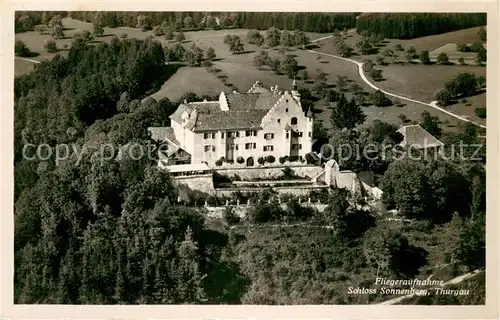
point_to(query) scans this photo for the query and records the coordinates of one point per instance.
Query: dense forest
(101, 227)
(304, 21)
(414, 25)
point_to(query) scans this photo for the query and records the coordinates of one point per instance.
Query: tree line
(305, 21)
(414, 25)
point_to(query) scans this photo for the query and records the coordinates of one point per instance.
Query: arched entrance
(250, 162)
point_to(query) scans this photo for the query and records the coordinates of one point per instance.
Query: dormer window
(209, 135)
(293, 121)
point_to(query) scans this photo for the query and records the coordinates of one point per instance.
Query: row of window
(230, 134)
(253, 133)
(248, 133)
(250, 146)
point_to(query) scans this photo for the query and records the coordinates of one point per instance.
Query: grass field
(422, 82)
(411, 80)
(453, 54)
(429, 43)
(22, 67)
(467, 108)
(198, 80)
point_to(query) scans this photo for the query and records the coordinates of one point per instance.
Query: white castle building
(246, 126)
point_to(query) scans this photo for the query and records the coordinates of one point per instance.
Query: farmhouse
(416, 137)
(239, 127)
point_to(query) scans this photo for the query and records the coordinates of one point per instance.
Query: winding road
(432, 104)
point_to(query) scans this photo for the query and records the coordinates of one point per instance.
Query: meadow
(415, 81)
(429, 43)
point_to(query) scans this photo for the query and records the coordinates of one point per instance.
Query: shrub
(463, 47)
(481, 81)
(288, 173)
(265, 212)
(230, 217)
(50, 46)
(21, 50)
(379, 99)
(367, 65)
(443, 58)
(463, 100)
(207, 64)
(240, 160)
(180, 36)
(293, 158)
(480, 112)
(260, 160)
(282, 160)
(270, 159)
(481, 56)
(376, 74)
(157, 31)
(123, 35)
(402, 117)
(218, 163)
(424, 57)
(476, 47)
(310, 159)
(398, 47)
(461, 60)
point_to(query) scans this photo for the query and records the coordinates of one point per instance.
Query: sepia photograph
(249, 158)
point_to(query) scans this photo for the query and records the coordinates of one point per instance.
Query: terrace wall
(203, 183)
(302, 191)
(250, 173)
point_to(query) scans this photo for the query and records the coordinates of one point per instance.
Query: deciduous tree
(346, 114)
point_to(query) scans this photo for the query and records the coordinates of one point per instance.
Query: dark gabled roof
(241, 101)
(246, 111)
(229, 120)
(418, 138)
(165, 134)
(267, 100)
(162, 133)
(177, 115)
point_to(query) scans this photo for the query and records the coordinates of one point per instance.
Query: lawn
(203, 39)
(429, 43)
(197, 80)
(467, 108)
(241, 73)
(412, 112)
(22, 67)
(422, 82)
(453, 54)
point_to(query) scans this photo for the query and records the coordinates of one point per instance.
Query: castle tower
(295, 90)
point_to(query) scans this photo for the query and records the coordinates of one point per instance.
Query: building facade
(243, 127)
